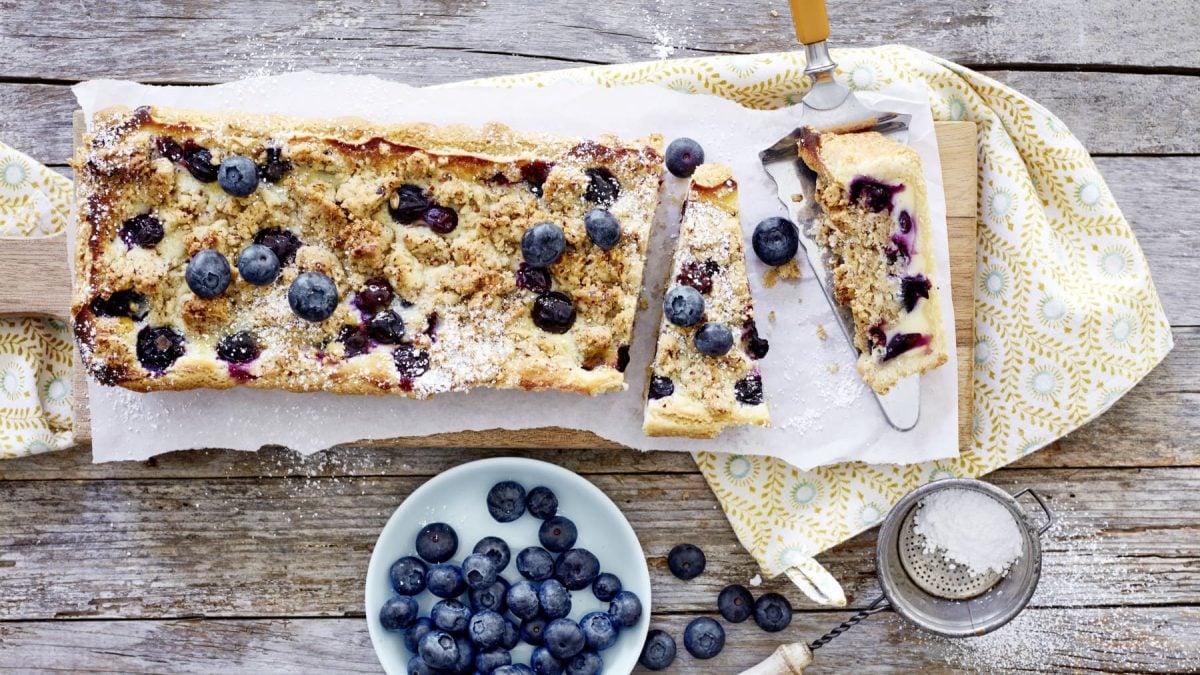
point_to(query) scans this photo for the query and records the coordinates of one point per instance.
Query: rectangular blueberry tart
(875, 228)
(705, 377)
(216, 250)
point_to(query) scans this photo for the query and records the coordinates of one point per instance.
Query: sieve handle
(880, 604)
(1050, 520)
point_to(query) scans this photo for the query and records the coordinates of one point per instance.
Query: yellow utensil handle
(811, 21)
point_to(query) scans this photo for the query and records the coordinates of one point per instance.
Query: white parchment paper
(819, 416)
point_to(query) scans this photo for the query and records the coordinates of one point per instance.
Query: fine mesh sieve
(933, 573)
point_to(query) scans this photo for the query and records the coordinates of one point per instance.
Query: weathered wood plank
(1156, 639)
(299, 547)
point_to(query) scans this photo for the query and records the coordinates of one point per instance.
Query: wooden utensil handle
(786, 660)
(35, 277)
(811, 21)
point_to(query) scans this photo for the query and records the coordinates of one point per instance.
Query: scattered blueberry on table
(686, 561)
(772, 612)
(735, 603)
(659, 651)
(704, 638)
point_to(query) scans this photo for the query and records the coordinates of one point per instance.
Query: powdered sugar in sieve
(933, 572)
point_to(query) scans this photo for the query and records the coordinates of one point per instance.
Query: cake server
(831, 106)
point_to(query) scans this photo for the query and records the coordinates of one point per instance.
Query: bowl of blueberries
(508, 566)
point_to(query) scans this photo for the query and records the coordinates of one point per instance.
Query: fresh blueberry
(913, 289)
(408, 575)
(772, 612)
(486, 629)
(536, 279)
(238, 176)
(599, 631)
(376, 295)
(749, 390)
(398, 612)
(282, 242)
(445, 580)
(544, 663)
(543, 244)
(533, 630)
(660, 387)
(602, 228)
(541, 502)
(142, 230)
(386, 328)
(698, 275)
(704, 638)
(735, 603)
(606, 586)
(686, 561)
(208, 274)
(776, 240)
(412, 637)
(313, 296)
(555, 599)
(417, 666)
(585, 663)
(275, 166)
(240, 347)
(603, 187)
(512, 635)
(558, 534)
(564, 638)
(198, 162)
(122, 303)
(410, 361)
(437, 542)
(535, 563)
(451, 616)
(506, 501)
(683, 156)
(683, 306)
(576, 568)
(493, 597)
(408, 204)
(553, 312)
(258, 265)
(496, 549)
(515, 669)
(441, 219)
(713, 339)
(659, 651)
(466, 655)
(158, 347)
(489, 661)
(625, 610)
(479, 571)
(522, 599)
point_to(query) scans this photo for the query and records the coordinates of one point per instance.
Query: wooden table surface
(219, 561)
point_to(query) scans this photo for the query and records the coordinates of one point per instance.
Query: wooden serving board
(35, 279)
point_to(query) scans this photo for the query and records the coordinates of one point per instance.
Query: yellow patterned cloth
(35, 353)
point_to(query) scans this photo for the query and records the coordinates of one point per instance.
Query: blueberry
(240, 347)
(158, 347)
(398, 612)
(756, 346)
(772, 612)
(683, 306)
(408, 204)
(282, 242)
(872, 195)
(410, 361)
(535, 175)
(659, 651)
(603, 187)
(698, 275)
(544, 663)
(485, 628)
(558, 534)
(275, 166)
(408, 575)
(313, 296)
(713, 339)
(386, 328)
(512, 635)
(776, 240)
(555, 599)
(445, 580)
(564, 638)
(533, 630)
(576, 568)
(598, 630)
(122, 304)
(208, 274)
(913, 289)
(535, 563)
(553, 312)
(441, 219)
(606, 586)
(496, 549)
(355, 339)
(683, 156)
(466, 655)
(541, 502)
(536, 279)
(493, 597)
(142, 230)
(903, 342)
(585, 663)
(451, 616)
(412, 637)
(479, 571)
(198, 162)
(376, 295)
(506, 501)
(704, 638)
(625, 610)
(749, 390)
(735, 603)
(515, 669)
(258, 265)
(437, 542)
(686, 561)
(489, 661)
(543, 244)
(522, 600)
(602, 228)
(660, 387)
(417, 666)
(238, 176)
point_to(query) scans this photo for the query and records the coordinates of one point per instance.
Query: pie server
(831, 106)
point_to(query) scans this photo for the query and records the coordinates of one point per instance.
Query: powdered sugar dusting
(969, 528)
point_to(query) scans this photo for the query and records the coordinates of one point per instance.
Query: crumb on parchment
(788, 270)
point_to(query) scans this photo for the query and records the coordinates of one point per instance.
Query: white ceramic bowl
(458, 497)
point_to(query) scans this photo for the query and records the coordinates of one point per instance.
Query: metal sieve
(932, 573)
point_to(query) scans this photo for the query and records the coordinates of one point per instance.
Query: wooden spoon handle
(786, 660)
(35, 277)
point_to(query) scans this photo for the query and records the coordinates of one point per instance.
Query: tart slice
(875, 227)
(705, 376)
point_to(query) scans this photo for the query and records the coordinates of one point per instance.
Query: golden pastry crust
(709, 394)
(874, 225)
(457, 293)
